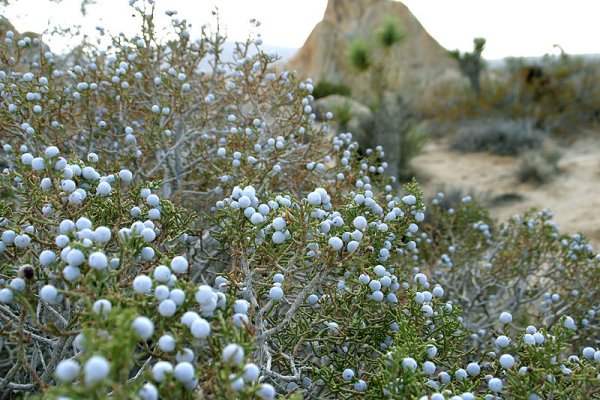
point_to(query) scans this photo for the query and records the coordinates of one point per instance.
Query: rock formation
(420, 60)
(31, 53)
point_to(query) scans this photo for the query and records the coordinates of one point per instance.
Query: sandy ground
(573, 196)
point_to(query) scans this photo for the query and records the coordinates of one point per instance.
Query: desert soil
(573, 196)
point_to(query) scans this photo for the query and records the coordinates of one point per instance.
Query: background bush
(558, 94)
(541, 165)
(324, 88)
(503, 137)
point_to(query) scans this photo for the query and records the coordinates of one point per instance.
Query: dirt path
(573, 196)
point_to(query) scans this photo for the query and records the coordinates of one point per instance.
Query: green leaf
(359, 55)
(390, 33)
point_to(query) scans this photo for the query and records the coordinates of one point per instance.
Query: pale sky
(511, 27)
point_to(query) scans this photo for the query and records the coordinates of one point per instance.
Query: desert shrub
(541, 165)
(413, 143)
(558, 94)
(503, 137)
(343, 114)
(150, 105)
(325, 88)
(401, 134)
(525, 265)
(195, 235)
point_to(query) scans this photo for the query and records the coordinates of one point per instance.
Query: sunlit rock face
(420, 61)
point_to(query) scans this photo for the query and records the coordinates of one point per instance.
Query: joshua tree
(395, 127)
(367, 58)
(471, 64)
